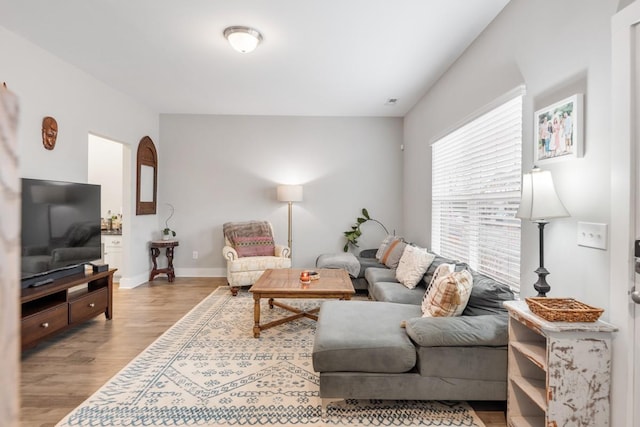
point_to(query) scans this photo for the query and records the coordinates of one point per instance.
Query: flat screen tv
(60, 229)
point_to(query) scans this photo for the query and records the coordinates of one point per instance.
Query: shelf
(535, 389)
(35, 306)
(526, 422)
(536, 352)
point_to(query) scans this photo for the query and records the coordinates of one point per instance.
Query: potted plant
(167, 233)
(354, 233)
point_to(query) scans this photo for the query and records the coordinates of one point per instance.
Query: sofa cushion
(393, 253)
(363, 336)
(485, 330)
(379, 274)
(449, 293)
(412, 266)
(487, 296)
(257, 263)
(395, 292)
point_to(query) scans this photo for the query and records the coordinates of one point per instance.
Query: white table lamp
(539, 203)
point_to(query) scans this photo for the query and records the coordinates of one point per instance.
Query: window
(476, 173)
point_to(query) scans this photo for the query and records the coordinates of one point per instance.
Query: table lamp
(539, 203)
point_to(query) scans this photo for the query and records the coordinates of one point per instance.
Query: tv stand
(66, 302)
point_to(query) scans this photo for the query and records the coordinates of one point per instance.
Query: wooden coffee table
(285, 283)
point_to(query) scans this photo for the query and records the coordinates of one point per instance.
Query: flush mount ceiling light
(243, 39)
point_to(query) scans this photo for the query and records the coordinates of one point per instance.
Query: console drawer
(44, 323)
(88, 306)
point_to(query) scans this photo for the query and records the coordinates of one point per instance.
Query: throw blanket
(345, 260)
(233, 230)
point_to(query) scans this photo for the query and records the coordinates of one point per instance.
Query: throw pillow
(392, 254)
(448, 293)
(255, 246)
(441, 270)
(384, 245)
(412, 265)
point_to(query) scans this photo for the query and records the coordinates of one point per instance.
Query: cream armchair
(249, 250)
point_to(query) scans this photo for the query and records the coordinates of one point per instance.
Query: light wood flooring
(60, 373)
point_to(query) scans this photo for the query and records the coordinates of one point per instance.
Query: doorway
(106, 167)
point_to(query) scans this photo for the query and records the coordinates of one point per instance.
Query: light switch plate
(592, 235)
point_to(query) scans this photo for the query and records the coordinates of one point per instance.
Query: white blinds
(476, 173)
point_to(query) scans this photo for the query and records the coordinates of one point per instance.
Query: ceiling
(317, 58)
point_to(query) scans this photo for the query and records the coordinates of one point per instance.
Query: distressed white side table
(559, 372)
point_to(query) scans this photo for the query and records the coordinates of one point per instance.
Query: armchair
(250, 250)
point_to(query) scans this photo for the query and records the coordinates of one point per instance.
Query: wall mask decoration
(49, 132)
(147, 177)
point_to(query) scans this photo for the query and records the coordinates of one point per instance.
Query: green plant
(166, 231)
(354, 233)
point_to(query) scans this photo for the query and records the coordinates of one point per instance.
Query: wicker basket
(563, 310)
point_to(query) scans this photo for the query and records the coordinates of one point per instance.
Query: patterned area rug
(208, 370)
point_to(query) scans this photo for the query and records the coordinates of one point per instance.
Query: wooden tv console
(64, 303)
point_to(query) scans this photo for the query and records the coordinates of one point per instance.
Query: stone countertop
(111, 232)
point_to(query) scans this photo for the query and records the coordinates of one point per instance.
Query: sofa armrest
(229, 253)
(368, 253)
(485, 330)
(283, 251)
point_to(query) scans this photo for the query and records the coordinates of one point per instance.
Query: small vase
(166, 237)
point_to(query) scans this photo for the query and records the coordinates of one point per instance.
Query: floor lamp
(539, 203)
(290, 194)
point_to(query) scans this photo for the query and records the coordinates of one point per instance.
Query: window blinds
(476, 173)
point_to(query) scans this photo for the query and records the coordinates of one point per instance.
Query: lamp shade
(539, 198)
(289, 193)
(243, 39)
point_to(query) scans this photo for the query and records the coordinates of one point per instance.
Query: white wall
(555, 49)
(215, 169)
(105, 169)
(47, 86)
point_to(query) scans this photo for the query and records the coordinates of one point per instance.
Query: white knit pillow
(412, 266)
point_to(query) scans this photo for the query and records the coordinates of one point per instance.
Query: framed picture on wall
(558, 131)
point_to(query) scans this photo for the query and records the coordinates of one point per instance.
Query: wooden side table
(559, 372)
(155, 247)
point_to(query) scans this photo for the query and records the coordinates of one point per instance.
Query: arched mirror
(147, 177)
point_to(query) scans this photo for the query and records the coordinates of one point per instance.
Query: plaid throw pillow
(448, 292)
(255, 246)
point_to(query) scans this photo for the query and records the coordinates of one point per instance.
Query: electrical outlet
(195, 254)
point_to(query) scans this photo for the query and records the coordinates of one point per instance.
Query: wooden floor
(59, 374)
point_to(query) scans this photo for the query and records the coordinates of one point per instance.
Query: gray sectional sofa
(385, 349)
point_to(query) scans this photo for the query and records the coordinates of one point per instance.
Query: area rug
(208, 370)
